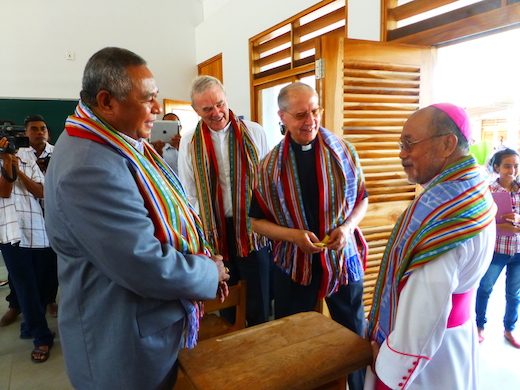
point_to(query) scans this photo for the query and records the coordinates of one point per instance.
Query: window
(286, 53)
(290, 44)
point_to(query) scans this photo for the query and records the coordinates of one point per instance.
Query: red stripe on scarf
(206, 133)
(325, 276)
(75, 132)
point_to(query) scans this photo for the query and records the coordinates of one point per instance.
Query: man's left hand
(158, 146)
(175, 141)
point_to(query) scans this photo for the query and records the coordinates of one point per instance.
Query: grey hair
(202, 83)
(441, 123)
(106, 70)
(283, 96)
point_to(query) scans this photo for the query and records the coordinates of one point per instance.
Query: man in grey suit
(131, 257)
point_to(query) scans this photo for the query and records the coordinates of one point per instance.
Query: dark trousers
(255, 270)
(50, 288)
(345, 306)
(27, 271)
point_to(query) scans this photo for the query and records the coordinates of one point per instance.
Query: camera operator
(24, 244)
(39, 150)
(39, 134)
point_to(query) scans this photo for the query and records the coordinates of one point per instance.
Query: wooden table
(303, 351)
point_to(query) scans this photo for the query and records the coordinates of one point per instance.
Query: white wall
(364, 19)
(229, 29)
(170, 34)
(35, 34)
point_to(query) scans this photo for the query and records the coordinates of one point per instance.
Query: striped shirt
(508, 245)
(21, 216)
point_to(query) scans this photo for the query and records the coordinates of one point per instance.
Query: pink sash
(461, 309)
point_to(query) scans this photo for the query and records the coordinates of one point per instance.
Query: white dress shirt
(221, 146)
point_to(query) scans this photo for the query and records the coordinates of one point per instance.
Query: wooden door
(212, 67)
(368, 91)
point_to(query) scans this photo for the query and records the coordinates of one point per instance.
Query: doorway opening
(482, 75)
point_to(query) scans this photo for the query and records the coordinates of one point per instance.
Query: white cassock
(421, 352)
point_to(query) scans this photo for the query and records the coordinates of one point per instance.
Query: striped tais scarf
(243, 160)
(455, 207)
(175, 222)
(341, 187)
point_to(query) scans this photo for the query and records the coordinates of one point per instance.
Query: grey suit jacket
(121, 320)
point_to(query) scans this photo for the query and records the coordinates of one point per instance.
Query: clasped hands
(307, 240)
(223, 276)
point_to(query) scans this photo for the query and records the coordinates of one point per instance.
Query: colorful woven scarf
(175, 221)
(341, 187)
(243, 162)
(454, 208)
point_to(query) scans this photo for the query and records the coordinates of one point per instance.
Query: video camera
(15, 137)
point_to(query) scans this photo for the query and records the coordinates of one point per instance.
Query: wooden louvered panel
(416, 7)
(277, 41)
(353, 71)
(375, 144)
(376, 103)
(373, 121)
(284, 54)
(379, 130)
(375, 98)
(292, 41)
(399, 109)
(382, 90)
(378, 83)
(379, 86)
(360, 138)
(392, 116)
(321, 23)
(377, 237)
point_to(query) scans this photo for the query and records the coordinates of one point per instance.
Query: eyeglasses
(316, 113)
(407, 145)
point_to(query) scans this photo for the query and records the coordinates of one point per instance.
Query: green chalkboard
(53, 111)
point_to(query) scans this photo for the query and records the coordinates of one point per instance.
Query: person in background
(506, 163)
(25, 246)
(310, 186)
(170, 151)
(218, 161)
(39, 151)
(13, 310)
(421, 323)
(133, 262)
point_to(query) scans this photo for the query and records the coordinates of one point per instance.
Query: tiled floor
(499, 361)
(17, 371)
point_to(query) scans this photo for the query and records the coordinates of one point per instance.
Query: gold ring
(227, 270)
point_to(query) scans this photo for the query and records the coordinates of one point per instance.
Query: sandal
(39, 355)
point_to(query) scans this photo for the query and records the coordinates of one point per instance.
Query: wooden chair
(212, 325)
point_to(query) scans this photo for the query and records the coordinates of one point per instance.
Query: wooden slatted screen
(431, 22)
(291, 44)
(381, 88)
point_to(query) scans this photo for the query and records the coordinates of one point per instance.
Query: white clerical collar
(223, 130)
(306, 147)
(137, 143)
